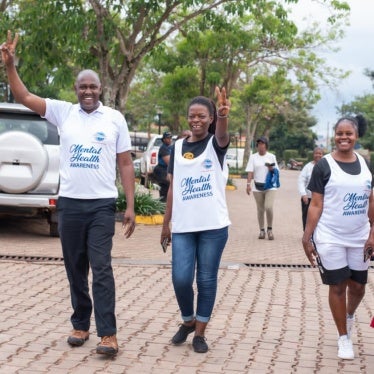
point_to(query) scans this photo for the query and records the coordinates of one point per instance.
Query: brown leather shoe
(78, 337)
(108, 345)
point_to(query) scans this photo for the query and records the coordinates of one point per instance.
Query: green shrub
(144, 203)
(304, 160)
(230, 182)
(234, 171)
(290, 153)
(309, 155)
(138, 174)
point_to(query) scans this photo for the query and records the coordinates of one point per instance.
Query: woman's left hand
(222, 102)
(310, 251)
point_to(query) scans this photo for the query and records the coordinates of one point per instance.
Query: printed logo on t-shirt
(196, 188)
(100, 136)
(189, 156)
(208, 163)
(84, 157)
(355, 204)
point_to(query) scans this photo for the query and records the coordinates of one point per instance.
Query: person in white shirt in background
(303, 181)
(257, 171)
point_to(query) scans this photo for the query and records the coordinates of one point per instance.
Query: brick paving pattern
(271, 313)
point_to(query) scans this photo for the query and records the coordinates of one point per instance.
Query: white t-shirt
(89, 143)
(304, 178)
(256, 164)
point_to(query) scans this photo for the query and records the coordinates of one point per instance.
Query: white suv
(150, 159)
(29, 165)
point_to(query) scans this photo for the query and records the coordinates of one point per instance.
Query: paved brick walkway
(271, 313)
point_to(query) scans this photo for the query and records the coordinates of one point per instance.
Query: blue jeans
(200, 251)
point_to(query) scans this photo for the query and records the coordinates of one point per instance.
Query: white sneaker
(350, 325)
(345, 348)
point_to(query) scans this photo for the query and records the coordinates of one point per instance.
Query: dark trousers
(161, 174)
(304, 211)
(86, 230)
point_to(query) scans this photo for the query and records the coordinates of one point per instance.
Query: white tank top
(344, 220)
(199, 191)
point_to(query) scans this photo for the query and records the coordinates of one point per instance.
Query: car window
(158, 142)
(230, 156)
(138, 141)
(35, 125)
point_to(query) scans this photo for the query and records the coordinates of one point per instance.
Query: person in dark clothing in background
(160, 171)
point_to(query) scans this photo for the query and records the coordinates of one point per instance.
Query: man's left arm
(127, 175)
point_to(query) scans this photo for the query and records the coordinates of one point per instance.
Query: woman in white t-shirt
(257, 171)
(338, 227)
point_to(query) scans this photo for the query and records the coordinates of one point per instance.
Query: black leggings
(304, 211)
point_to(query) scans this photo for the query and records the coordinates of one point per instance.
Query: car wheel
(23, 161)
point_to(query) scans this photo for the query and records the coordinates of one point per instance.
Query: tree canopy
(164, 52)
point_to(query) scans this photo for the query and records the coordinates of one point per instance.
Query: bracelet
(226, 116)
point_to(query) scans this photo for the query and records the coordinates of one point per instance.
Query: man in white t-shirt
(257, 171)
(93, 139)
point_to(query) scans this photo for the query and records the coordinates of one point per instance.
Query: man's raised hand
(8, 49)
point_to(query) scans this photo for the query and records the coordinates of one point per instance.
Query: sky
(356, 54)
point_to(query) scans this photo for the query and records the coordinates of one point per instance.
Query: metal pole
(159, 123)
(236, 146)
(135, 141)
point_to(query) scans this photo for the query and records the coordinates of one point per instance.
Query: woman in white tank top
(338, 227)
(196, 208)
